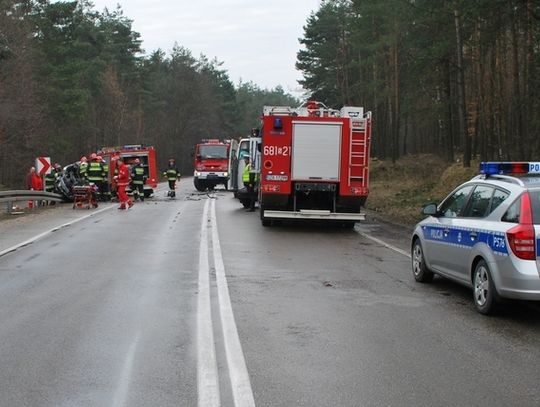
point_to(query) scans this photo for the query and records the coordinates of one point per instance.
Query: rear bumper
(314, 214)
(518, 279)
(522, 288)
(212, 176)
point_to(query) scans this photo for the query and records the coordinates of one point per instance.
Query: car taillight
(522, 237)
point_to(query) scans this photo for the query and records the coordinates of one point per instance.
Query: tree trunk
(462, 108)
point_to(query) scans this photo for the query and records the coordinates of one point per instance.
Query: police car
(485, 235)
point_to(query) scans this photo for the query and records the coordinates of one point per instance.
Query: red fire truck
(211, 164)
(313, 163)
(147, 156)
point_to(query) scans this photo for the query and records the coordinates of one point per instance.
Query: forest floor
(399, 190)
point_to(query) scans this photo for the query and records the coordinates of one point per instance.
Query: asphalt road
(191, 302)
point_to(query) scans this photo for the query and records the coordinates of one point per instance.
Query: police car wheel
(484, 293)
(420, 271)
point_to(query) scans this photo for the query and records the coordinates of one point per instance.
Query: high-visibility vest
(105, 170)
(83, 169)
(172, 174)
(245, 173)
(138, 175)
(50, 178)
(95, 172)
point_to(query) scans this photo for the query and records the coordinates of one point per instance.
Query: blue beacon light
(495, 167)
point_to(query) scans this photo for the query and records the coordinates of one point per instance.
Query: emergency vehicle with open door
(211, 164)
(147, 156)
(313, 163)
(237, 166)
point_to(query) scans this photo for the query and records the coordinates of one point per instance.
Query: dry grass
(398, 191)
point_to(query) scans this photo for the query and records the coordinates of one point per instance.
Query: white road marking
(120, 396)
(240, 383)
(42, 235)
(387, 245)
(207, 373)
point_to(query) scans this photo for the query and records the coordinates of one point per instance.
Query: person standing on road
(105, 184)
(138, 178)
(122, 181)
(172, 174)
(248, 178)
(50, 179)
(33, 183)
(95, 173)
(83, 168)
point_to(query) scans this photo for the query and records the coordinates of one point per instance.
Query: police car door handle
(446, 232)
(473, 235)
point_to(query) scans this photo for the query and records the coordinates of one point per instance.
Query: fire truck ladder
(358, 156)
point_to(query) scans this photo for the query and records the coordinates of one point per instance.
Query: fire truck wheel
(264, 221)
(199, 185)
(348, 224)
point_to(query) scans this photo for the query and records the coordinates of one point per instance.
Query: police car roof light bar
(498, 167)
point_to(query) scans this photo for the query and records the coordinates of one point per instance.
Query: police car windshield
(213, 151)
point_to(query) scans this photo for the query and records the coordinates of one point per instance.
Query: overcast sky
(256, 40)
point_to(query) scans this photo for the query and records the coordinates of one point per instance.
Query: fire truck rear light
(270, 188)
(358, 191)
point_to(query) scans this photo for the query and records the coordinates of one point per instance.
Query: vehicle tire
(348, 224)
(199, 185)
(419, 268)
(484, 292)
(264, 221)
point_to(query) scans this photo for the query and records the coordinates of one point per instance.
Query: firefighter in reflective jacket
(50, 180)
(137, 179)
(248, 178)
(83, 167)
(172, 175)
(95, 174)
(105, 181)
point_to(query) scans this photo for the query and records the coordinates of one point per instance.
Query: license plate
(275, 177)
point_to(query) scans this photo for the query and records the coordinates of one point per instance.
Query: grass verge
(399, 190)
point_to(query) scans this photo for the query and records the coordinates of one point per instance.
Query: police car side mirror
(430, 209)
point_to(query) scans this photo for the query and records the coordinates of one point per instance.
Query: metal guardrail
(26, 195)
(10, 197)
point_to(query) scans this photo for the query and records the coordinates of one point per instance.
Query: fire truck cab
(313, 163)
(147, 156)
(211, 164)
